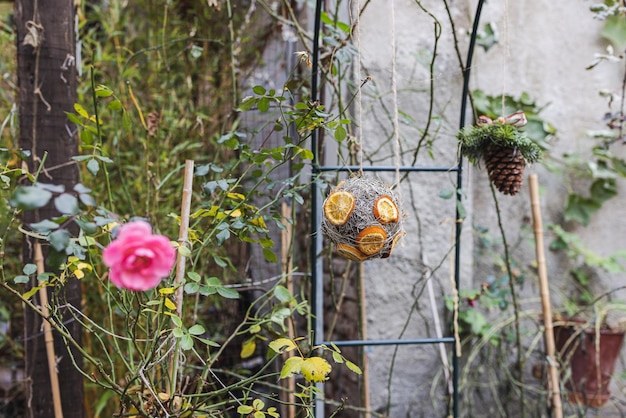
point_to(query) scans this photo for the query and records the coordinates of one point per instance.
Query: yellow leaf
(282, 345)
(248, 348)
(260, 222)
(81, 266)
(167, 291)
(31, 292)
(315, 369)
(237, 196)
(234, 213)
(244, 409)
(291, 366)
(72, 259)
(79, 274)
(258, 404)
(169, 304)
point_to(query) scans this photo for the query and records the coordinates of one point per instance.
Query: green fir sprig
(477, 140)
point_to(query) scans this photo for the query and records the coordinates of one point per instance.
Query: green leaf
(208, 342)
(580, 209)
(340, 133)
(487, 37)
(44, 226)
(247, 103)
(186, 342)
(29, 269)
(446, 194)
(178, 332)
(269, 255)
(353, 367)
(184, 251)
(603, 190)
(93, 166)
(72, 118)
(86, 137)
(177, 321)
(192, 275)
(260, 90)
(191, 288)
(59, 239)
(337, 358)
(87, 199)
(30, 197)
(282, 294)
(263, 104)
(21, 279)
(114, 105)
(103, 91)
(67, 204)
(227, 293)
(476, 320)
(88, 228)
(197, 330)
(614, 30)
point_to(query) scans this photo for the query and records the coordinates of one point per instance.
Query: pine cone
(505, 166)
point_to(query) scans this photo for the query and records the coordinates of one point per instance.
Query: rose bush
(138, 259)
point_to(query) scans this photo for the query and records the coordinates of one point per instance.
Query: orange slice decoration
(389, 250)
(338, 207)
(385, 210)
(371, 240)
(351, 253)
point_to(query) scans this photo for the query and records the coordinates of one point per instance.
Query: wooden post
(183, 238)
(286, 262)
(553, 372)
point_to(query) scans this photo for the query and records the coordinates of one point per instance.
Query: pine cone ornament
(504, 149)
(505, 167)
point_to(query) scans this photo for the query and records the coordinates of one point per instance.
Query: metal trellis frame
(317, 272)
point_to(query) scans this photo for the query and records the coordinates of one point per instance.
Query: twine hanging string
(394, 89)
(506, 53)
(359, 96)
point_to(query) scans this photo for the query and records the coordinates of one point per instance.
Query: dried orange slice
(338, 206)
(351, 253)
(389, 250)
(371, 240)
(385, 210)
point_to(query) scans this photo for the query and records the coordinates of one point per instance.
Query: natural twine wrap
(358, 236)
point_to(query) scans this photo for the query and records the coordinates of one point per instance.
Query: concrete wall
(544, 48)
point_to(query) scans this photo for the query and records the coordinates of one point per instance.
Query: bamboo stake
(183, 237)
(287, 261)
(48, 337)
(553, 383)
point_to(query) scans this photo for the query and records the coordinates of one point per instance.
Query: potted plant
(587, 351)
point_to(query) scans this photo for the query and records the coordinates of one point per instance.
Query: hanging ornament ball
(363, 218)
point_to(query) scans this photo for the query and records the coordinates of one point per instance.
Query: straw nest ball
(363, 218)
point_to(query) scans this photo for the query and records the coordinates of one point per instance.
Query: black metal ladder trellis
(317, 276)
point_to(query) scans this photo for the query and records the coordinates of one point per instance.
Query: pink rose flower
(137, 259)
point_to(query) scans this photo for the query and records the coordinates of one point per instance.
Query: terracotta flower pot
(590, 377)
